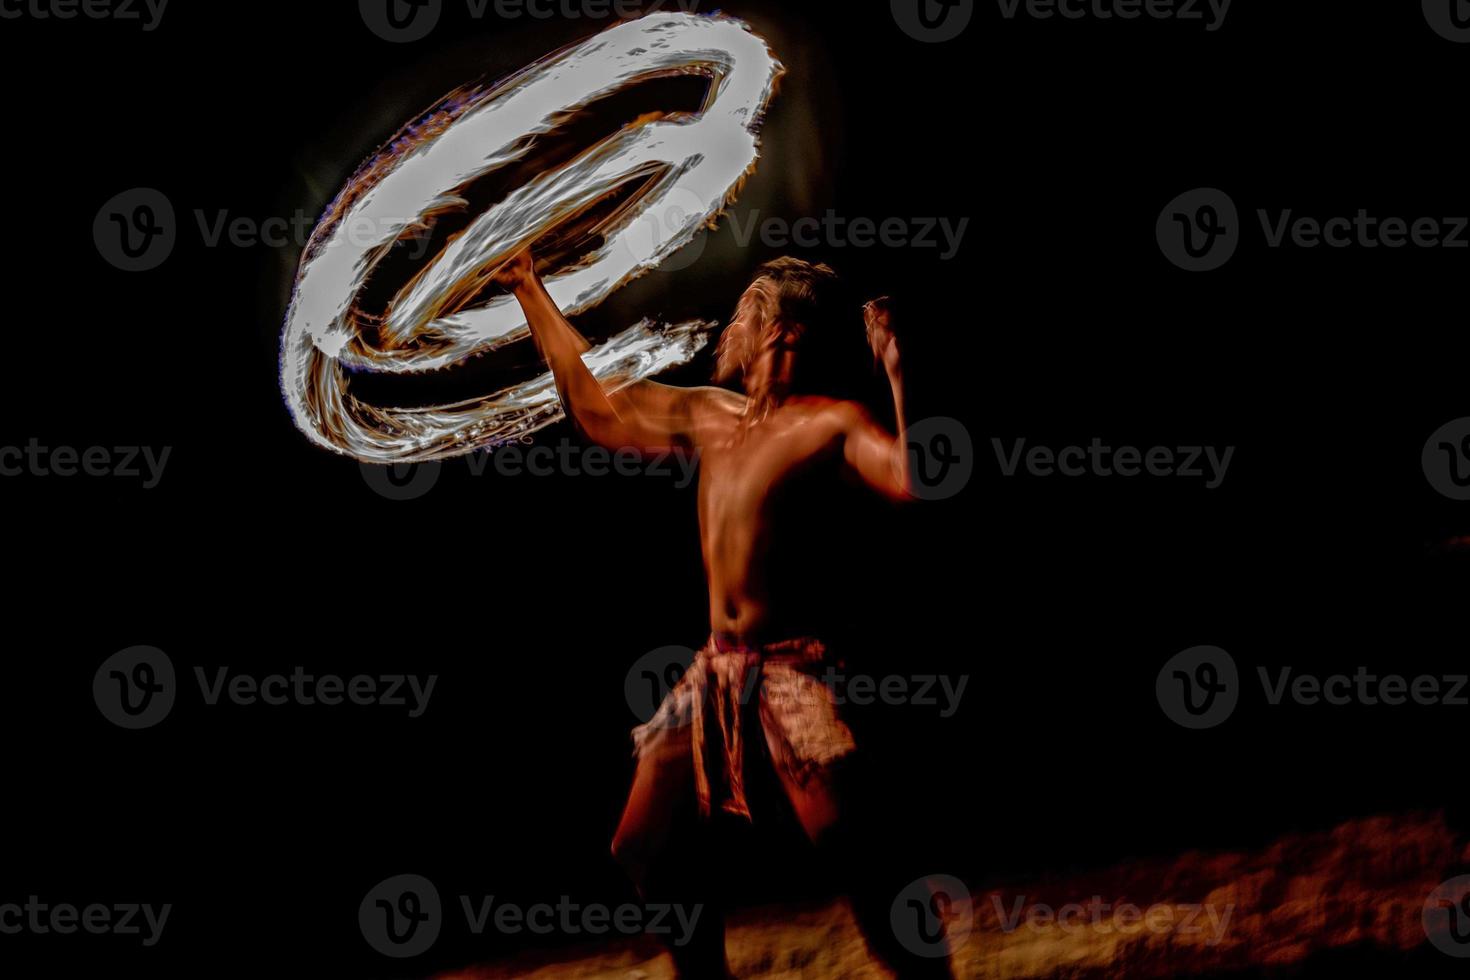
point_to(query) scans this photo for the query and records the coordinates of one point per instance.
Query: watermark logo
(1199, 230)
(401, 21)
(1446, 917)
(1199, 687)
(941, 458)
(401, 482)
(933, 21)
(136, 230)
(135, 688)
(933, 916)
(401, 916)
(1446, 459)
(653, 676)
(1450, 19)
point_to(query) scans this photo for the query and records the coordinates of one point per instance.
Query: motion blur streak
(692, 166)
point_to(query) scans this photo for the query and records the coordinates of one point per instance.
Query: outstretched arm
(880, 458)
(645, 416)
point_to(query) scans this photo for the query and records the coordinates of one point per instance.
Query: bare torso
(744, 466)
(741, 477)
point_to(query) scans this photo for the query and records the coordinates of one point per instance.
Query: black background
(1058, 321)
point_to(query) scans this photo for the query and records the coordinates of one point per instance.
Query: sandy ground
(1360, 885)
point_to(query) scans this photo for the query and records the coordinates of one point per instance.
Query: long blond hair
(784, 290)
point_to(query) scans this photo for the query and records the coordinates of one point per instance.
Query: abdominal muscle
(739, 601)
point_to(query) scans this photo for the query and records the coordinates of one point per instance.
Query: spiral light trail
(692, 165)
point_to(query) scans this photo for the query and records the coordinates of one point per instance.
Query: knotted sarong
(729, 685)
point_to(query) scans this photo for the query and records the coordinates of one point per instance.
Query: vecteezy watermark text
(123, 462)
(1098, 459)
(1200, 688)
(135, 688)
(405, 21)
(410, 481)
(40, 918)
(656, 673)
(403, 916)
(1209, 12)
(138, 229)
(1200, 230)
(148, 13)
(833, 230)
(1124, 918)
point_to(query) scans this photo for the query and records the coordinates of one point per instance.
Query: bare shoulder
(714, 413)
(668, 401)
(713, 401)
(834, 420)
(845, 416)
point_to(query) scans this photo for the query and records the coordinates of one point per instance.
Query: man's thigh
(662, 795)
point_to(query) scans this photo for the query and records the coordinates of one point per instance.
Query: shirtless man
(748, 445)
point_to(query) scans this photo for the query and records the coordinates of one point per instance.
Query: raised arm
(880, 458)
(645, 416)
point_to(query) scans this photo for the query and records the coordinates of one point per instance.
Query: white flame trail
(703, 160)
